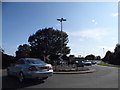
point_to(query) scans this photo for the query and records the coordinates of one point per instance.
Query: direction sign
(48, 57)
(56, 57)
(60, 57)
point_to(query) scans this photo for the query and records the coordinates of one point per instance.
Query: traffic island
(72, 70)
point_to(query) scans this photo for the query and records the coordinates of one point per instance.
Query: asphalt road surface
(103, 77)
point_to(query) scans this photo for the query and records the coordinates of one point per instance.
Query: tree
(90, 57)
(71, 59)
(117, 54)
(23, 51)
(108, 57)
(113, 58)
(48, 41)
(98, 58)
(7, 60)
(117, 48)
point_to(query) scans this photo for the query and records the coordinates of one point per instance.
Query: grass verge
(106, 64)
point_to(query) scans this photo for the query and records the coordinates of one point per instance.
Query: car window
(35, 62)
(20, 62)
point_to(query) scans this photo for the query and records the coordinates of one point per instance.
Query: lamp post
(61, 20)
(103, 51)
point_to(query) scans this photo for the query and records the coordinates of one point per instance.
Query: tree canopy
(23, 51)
(113, 57)
(90, 57)
(48, 41)
(7, 60)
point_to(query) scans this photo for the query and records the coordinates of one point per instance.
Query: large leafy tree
(5, 59)
(117, 48)
(49, 41)
(90, 57)
(113, 57)
(117, 54)
(108, 57)
(23, 51)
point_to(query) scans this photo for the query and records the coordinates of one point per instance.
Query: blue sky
(91, 26)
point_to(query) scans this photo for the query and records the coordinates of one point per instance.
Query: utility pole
(61, 20)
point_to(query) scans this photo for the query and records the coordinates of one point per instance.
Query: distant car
(87, 62)
(93, 61)
(79, 63)
(26, 68)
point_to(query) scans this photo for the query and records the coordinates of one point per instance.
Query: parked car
(79, 63)
(93, 61)
(26, 68)
(87, 62)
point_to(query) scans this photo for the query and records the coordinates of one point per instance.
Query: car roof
(29, 59)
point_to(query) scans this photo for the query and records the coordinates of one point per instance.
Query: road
(103, 77)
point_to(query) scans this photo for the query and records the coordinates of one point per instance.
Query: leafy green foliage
(48, 41)
(23, 51)
(7, 60)
(106, 64)
(113, 57)
(90, 57)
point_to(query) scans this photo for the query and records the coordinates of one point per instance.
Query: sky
(92, 27)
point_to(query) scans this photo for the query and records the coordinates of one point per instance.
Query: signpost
(56, 57)
(60, 57)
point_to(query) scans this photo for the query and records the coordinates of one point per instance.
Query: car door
(18, 66)
(12, 68)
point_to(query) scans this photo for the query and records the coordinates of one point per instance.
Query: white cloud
(114, 14)
(94, 21)
(81, 39)
(96, 34)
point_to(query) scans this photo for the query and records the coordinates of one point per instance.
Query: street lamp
(61, 20)
(103, 51)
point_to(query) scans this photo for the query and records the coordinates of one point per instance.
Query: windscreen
(35, 61)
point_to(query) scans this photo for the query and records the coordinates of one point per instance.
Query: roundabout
(72, 70)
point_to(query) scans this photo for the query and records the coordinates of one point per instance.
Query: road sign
(56, 57)
(60, 57)
(48, 57)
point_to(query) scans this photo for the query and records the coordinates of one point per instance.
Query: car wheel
(82, 65)
(44, 78)
(21, 77)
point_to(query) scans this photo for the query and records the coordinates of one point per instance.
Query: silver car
(87, 62)
(26, 68)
